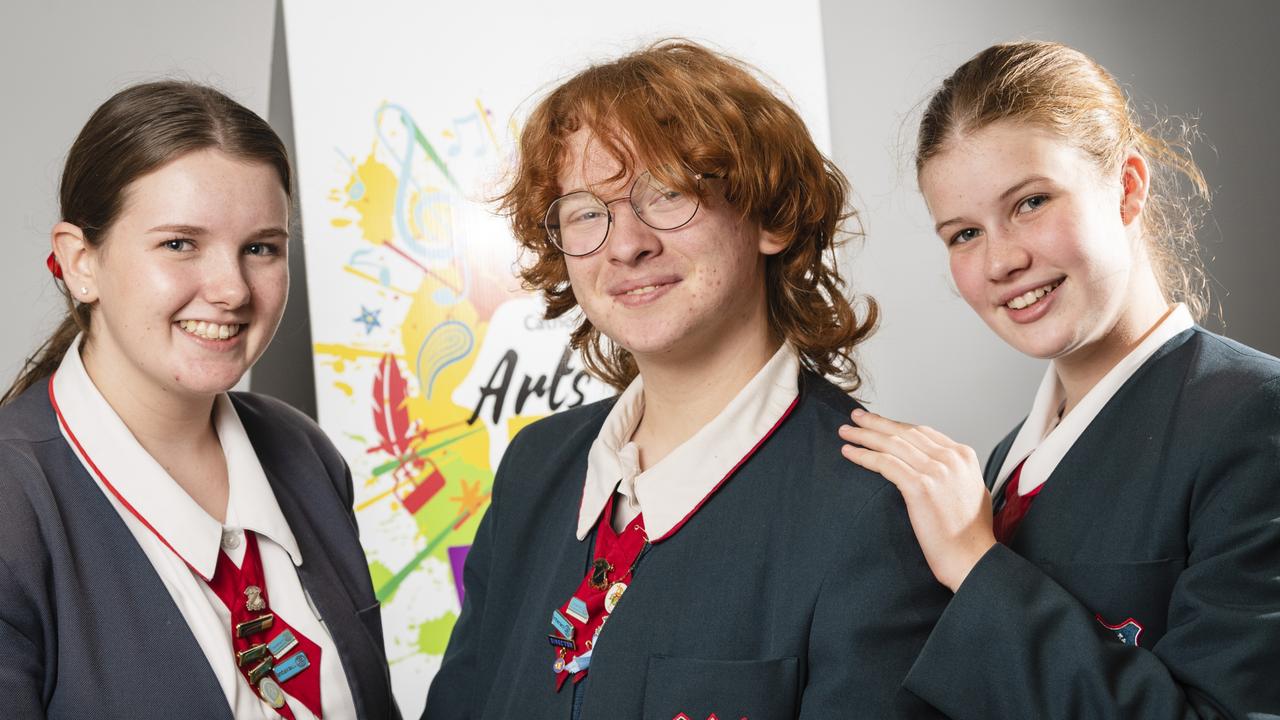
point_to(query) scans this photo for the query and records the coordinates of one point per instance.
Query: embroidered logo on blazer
(712, 716)
(1126, 632)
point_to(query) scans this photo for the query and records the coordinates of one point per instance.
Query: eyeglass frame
(698, 177)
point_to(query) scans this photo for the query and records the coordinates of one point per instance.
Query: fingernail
(859, 412)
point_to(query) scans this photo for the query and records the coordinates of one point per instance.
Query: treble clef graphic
(405, 208)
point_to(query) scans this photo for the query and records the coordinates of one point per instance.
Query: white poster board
(428, 357)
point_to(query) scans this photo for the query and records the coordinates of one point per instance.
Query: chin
(1038, 346)
(206, 382)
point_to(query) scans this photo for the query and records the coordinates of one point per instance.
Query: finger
(891, 468)
(950, 449)
(926, 442)
(868, 419)
(936, 436)
(896, 445)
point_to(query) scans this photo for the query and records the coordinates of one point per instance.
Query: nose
(1005, 256)
(225, 281)
(630, 240)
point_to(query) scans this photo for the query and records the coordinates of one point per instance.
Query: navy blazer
(1162, 522)
(796, 591)
(87, 628)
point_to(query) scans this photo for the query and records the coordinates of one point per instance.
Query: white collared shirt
(186, 540)
(1043, 442)
(670, 491)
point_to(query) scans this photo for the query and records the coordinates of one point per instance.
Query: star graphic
(369, 318)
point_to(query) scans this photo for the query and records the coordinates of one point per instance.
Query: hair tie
(54, 268)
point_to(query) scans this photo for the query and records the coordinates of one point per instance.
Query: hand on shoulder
(941, 483)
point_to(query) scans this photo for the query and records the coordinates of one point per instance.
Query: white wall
(59, 60)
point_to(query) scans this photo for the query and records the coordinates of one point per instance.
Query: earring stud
(84, 290)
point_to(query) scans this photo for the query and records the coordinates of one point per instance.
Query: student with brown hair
(694, 547)
(167, 548)
(1130, 568)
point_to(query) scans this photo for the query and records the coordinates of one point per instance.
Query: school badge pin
(253, 599)
(1126, 632)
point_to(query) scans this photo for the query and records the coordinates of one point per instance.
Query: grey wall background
(931, 362)
(59, 59)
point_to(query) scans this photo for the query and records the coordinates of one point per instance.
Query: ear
(771, 244)
(1135, 183)
(78, 260)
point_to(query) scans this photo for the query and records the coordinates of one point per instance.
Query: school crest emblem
(1127, 632)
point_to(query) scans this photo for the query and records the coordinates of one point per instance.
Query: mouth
(1031, 297)
(210, 331)
(643, 290)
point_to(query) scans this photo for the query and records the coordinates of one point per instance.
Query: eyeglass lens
(578, 223)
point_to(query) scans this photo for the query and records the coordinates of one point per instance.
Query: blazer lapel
(328, 588)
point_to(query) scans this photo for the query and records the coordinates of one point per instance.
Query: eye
(264, 249)
(179, 245)
(964, 236)
(1035, 202)
(586, 216)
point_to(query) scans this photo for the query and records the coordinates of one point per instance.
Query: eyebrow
(196, 230)
(1012, 190)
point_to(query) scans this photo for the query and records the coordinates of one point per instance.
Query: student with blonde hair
(1131, 567)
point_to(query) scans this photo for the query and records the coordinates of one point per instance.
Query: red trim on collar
(107, 483)
(729, 474)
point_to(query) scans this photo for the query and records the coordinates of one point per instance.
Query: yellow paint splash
(377, 197)
(345, 352)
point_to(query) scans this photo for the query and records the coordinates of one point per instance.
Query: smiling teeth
(642, 290)
(1030, 297)
(208, 330)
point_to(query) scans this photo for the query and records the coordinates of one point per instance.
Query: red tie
(1015, 507)
(240, 589)
(577, 623)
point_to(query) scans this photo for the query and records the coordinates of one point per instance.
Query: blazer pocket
(1131, 598)
(371, 618)
(732, 689)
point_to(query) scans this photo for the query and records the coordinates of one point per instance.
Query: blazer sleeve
(457, 688)
(873, 615)
(23, 573)
(1015, 644)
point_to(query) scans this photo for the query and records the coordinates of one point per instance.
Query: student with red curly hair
(694, 547)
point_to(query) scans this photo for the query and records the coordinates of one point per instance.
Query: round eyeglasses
(578, 223)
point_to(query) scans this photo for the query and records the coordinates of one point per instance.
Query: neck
(680, 398)
(1080, 371)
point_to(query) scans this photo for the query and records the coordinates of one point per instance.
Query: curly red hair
(677, 104)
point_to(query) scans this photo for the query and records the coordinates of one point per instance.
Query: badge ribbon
(251, 629)
(613, 561)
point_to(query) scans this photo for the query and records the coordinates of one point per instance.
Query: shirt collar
(251, 501)
(1049, 443)
(671, 490)
(109, 452)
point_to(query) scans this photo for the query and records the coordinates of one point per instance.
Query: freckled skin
(717, 264)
